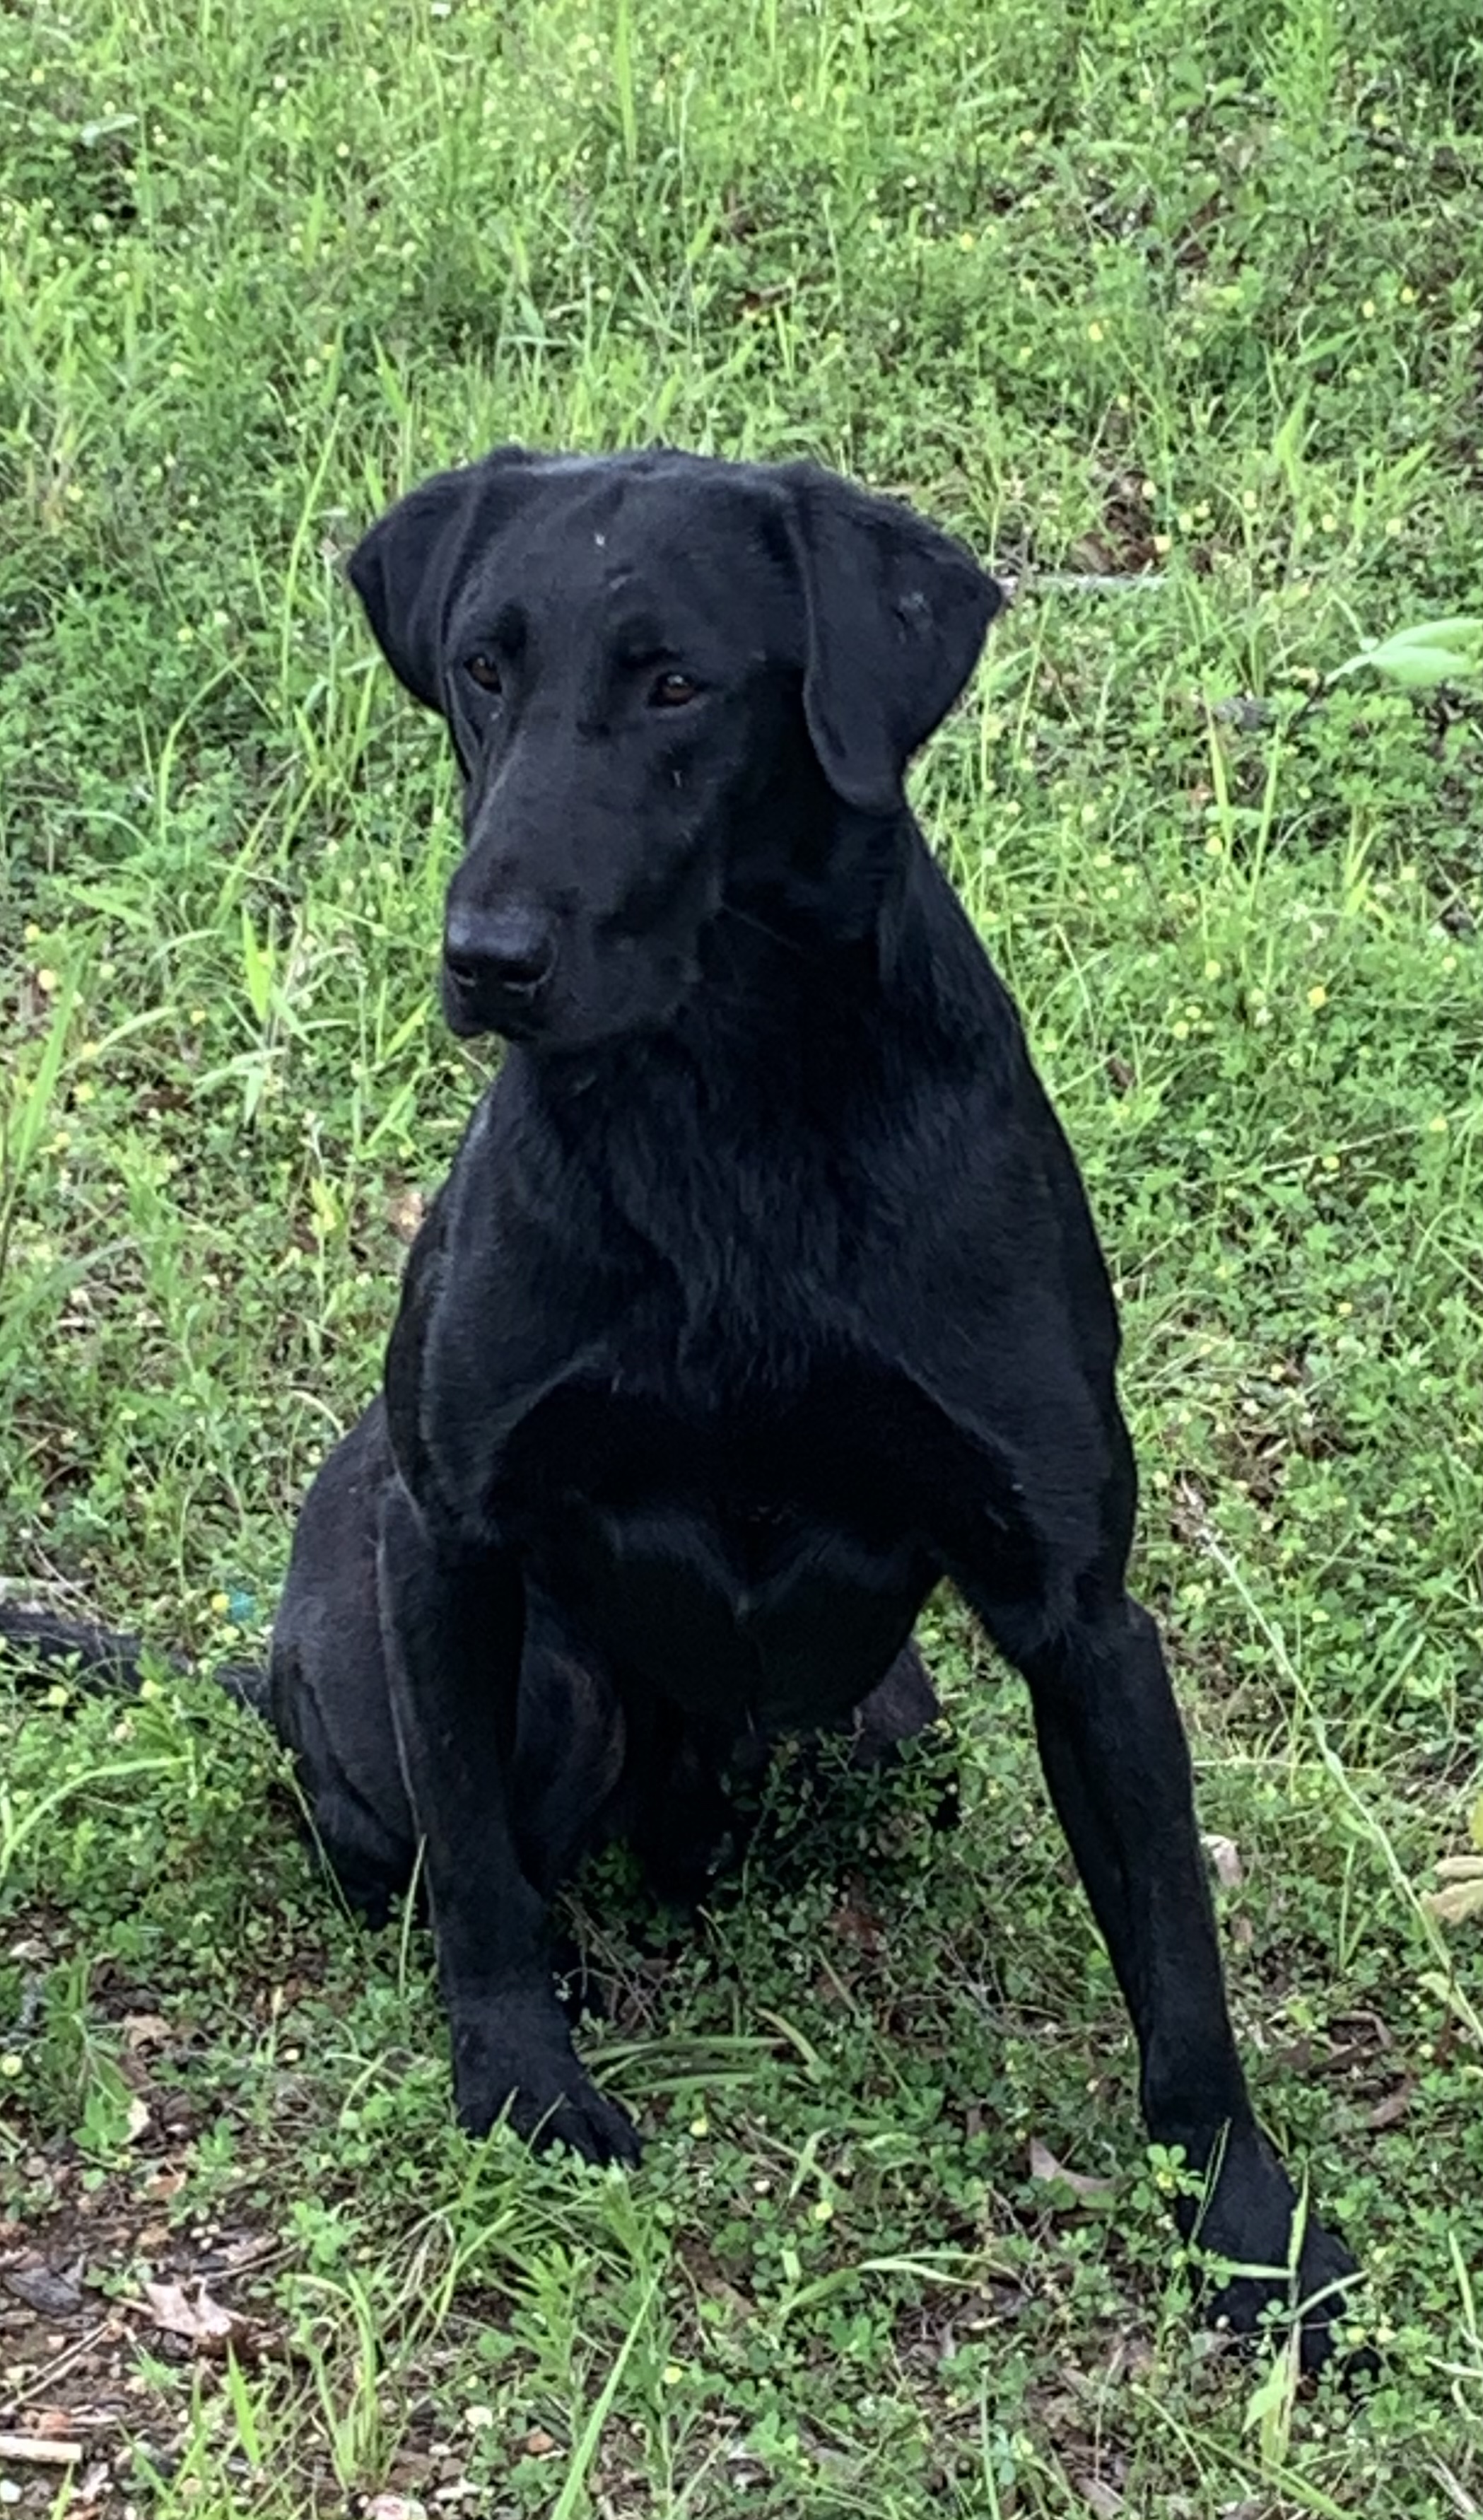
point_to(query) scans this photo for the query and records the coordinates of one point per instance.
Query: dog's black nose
(505, 953)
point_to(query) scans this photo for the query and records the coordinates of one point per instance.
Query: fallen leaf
(1390, 2111)
(539, 2444)
(854, 1923)
(1462, 1899)
(1365, 2030)
(1225, 1855)
(1044, 2165)
(145, 2029)
(405, 1214)
(203, 2320)
(1132, 2357)
(394, 2507)
(50, 2295)
(1099, 2496)
(52, 2423)
(249, 2249)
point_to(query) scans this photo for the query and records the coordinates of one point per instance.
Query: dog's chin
(580, 1032)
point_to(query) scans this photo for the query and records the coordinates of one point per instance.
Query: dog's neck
(755, 1142)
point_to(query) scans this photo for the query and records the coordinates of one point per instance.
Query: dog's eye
(672, 690)
(484, 670)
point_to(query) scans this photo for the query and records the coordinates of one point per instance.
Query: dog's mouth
(543, 1014)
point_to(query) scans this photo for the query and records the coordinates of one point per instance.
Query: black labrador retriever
(763, 1293)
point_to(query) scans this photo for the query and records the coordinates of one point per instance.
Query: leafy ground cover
(1175, 311)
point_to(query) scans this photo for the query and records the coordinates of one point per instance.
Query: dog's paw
(595, 2129)
(518, 2063)
(1317, 2292)
(1249, 2225)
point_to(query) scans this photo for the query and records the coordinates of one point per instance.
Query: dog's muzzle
(497, 967)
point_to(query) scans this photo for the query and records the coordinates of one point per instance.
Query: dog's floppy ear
(895, 614)
(408, 569)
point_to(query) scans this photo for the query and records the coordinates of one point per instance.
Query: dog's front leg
(453, 1619)
(1117, 1766)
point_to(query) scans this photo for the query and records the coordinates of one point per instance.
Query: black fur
(763, 1293)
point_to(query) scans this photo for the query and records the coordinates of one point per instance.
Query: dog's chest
(686, 1610)
(753, 1567)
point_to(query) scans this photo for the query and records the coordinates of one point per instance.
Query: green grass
(1182, 295)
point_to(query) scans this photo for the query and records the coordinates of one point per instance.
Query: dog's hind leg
(328, 1701)
(369, 1845)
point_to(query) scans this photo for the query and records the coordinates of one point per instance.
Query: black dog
(763, 1293)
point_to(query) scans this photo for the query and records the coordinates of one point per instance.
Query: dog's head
(668, 680)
